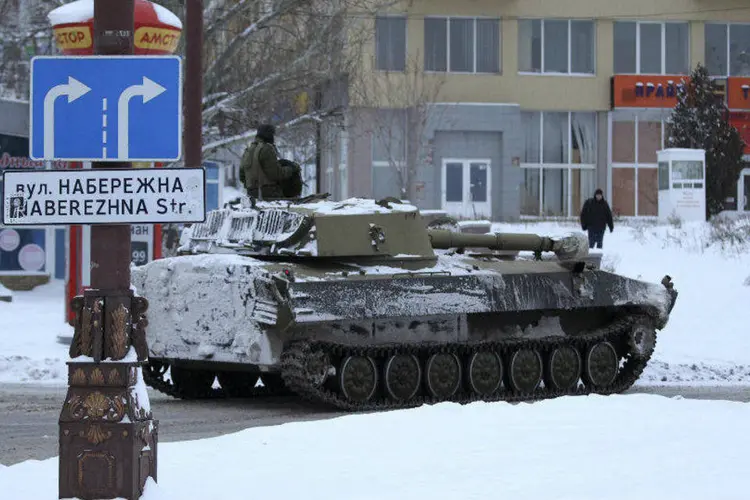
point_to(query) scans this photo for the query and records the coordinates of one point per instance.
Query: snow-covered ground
(29, 326)
(5, 294)
(596, 447)
(705, 342)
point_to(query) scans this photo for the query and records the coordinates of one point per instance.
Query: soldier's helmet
(266, 132)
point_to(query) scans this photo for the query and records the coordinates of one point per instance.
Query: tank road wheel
(563, 368)
(237, 384)
(443, 375)
(318, 367)
(526, 370)
(358, 378)
(485, 372)
(192, 383)
(402, 376)
(642, 340)
(602, 364)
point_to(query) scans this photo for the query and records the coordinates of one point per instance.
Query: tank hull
(310, 322)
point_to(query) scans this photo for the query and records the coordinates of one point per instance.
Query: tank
(366, 305)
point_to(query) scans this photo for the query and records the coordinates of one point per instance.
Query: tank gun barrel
(566, 248)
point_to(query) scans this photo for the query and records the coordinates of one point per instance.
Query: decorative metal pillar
(108, 438)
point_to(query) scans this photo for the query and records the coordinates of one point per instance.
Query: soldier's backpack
(292, 187)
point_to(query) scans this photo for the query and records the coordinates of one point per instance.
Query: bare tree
(24, 33)
(268, 60)
(402, 107)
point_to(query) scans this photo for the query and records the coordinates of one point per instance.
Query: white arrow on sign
(73, 89)
(149, 89)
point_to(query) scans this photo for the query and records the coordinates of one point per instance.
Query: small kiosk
(682, 184)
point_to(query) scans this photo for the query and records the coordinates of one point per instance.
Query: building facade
(525, 108)
(25, 250)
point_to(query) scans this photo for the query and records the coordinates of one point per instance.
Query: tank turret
(366, 231)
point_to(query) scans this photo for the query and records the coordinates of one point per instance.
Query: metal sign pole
(193, 83)
(108, 438)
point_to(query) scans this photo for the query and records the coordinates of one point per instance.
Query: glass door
(466, 188)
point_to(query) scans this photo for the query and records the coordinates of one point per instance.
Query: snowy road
(29, 413)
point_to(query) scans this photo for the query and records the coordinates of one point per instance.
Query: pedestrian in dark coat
(595, 217)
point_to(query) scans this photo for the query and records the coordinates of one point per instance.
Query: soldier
(265, 176)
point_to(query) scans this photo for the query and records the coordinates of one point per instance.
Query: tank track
(154, 374)
(297, 379)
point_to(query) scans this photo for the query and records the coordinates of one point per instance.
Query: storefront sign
(127, 196)
(646, 91)
(741, 121)
(17, 162)
(157, 30)
(14, 154)
(31, 257)
(156, 39)
(141, 239)
(73, 37)
(738, 93)
(9, 240)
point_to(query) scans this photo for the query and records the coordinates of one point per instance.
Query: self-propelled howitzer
(361, 305)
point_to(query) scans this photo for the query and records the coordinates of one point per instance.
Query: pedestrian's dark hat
(598, 191)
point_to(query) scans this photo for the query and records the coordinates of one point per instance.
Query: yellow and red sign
(646, 91)
(159, 40)
(73, 38)
(157, 30)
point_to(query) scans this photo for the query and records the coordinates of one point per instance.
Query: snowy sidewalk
(596, 447)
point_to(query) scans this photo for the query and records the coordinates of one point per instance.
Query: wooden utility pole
(193, 83)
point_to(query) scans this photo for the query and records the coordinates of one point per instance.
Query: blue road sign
(106, 108)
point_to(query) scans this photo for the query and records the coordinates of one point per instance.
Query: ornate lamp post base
(108, 437)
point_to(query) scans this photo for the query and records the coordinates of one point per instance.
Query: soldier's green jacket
(260, 166)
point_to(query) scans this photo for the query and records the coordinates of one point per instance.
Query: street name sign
(104, 196)
(106, 108)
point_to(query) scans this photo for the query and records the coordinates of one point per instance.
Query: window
(213, 180)
(727, 49)
(462, 45)
(636, 136)
(663, 175)
(687, 170)
(559, 138)
(559, 162)
(651, 48)
(556, 46)
(390, 43)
